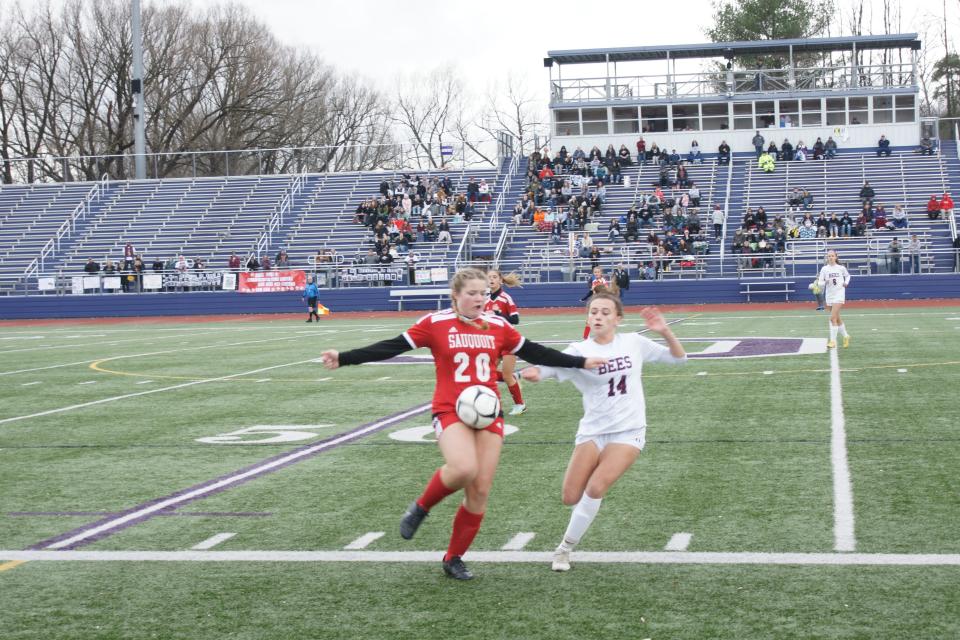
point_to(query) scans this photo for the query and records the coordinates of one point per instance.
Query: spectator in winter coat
(723, 153)
(758, 144)
(933, 208)
(946, 205)
(830, 148)
(883, 146)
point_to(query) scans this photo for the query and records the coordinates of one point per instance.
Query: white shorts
(634, 437)
(836, 298)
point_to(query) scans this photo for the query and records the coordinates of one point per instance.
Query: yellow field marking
(6, 566)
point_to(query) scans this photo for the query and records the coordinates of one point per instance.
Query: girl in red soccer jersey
(466, 346)
(598, 283)
(502, 305)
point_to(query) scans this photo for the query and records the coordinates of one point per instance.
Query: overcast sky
(487, 40)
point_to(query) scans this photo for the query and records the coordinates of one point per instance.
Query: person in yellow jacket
(766, 162)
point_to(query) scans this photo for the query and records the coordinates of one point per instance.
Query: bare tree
(516, 110)
(213, 81)
(427, 113)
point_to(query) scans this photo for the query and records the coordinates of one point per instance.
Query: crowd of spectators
(566, 192)
(415, 209)
(768, 156)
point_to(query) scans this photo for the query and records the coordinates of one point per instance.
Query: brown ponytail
(510, 279)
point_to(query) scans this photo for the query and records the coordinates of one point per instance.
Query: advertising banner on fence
(193, 280)
(268, 281)
(372, 274)
(152, 281)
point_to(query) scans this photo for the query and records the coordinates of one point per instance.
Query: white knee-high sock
(833, 332)
(583, 514)
(843, 330)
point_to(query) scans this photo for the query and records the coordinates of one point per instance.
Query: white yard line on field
(142, 355)
(146, 393)
(679, 542)
(843, 538)
(364, 541)
(506, 557)
(137, 355)
(519, 541)
(234, 478)
(212, 541)
(61, 346)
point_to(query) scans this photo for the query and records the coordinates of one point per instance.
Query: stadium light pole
(136, 87)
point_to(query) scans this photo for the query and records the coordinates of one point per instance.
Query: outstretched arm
(536, 353)
(383, 350)
(657, 323)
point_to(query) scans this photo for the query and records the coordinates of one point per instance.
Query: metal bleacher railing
(68, 227)
(209, 217)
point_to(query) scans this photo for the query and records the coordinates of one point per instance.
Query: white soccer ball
(478, 406)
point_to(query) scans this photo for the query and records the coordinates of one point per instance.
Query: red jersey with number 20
(463, 353)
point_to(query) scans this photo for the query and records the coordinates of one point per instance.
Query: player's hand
(654, 319)
(594, 363)
(530, 374)
(331, 358)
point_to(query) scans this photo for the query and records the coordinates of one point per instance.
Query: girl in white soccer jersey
(613, 428)
(833, 279)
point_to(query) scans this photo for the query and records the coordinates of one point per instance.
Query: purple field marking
(218, 514)
(205, 514)
(27, 514)
(757, 347)
(111, 524)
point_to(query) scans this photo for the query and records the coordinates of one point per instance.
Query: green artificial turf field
(125, 445)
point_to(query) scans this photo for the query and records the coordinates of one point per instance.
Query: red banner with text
(269, 281)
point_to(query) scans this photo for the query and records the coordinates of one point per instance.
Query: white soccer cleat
(561, 559)
(518, 409)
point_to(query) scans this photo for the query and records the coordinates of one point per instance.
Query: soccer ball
(478, 406)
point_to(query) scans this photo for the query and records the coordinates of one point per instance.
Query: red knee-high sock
(435, 492)
(586, 332)
(515, 393)
(499, 376)
(465, 528)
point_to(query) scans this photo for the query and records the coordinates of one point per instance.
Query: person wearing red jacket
(946, 204)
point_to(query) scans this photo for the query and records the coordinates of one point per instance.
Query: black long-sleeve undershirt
(532, 352)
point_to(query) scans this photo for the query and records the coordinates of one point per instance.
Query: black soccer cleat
(455, 568)
(411, 520)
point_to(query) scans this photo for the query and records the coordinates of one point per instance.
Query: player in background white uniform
(612, 431)
(833, 279)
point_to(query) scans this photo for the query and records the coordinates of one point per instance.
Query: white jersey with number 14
(613, 394)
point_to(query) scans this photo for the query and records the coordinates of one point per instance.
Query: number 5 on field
(280, 433)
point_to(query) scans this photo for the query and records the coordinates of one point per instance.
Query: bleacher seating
(323, 216)
(533, 250)
(212, 217)
(29, 216)
(205, 217)
(906, 179)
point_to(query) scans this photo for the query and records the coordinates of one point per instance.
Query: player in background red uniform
(598, 283)
(501, 304)
(466, 346)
